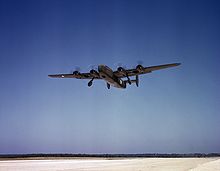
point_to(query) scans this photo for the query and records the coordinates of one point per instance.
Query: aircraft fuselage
(107, 74)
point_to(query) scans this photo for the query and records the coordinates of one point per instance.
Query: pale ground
(134, 164)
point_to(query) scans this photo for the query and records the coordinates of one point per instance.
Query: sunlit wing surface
(143, 70)
(78, 76)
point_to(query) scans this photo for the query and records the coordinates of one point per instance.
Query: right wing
(134, 72)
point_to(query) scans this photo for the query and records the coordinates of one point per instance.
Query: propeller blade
(120, 64)
(77, 69)
(90, 67)
(139, 62)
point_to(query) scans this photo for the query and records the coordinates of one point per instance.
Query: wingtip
(50, 76)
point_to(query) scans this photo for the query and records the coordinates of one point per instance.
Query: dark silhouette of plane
(114, 78)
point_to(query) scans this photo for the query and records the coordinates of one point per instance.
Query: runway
(94, 164)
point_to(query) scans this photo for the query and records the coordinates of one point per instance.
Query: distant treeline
(156, 155)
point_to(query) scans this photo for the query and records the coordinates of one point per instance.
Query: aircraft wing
(144, 70)
(78, 76)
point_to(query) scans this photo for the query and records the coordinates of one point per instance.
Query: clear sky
(173, 111)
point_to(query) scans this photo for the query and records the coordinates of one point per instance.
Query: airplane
(114, 78)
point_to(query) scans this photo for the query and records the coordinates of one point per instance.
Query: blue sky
(173, 111)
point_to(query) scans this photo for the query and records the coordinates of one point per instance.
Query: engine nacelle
(122, 70)
(140, 68)
(76, 72)
(94, 73)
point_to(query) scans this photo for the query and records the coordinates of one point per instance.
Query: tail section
(136, 81)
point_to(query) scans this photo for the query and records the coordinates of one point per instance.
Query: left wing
(77, 76)
(143, 70)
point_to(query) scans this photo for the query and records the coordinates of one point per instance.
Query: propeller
(122, 68)
(139, 66)
(120, 65)
(139, 62)
(76, 71)
(92, 67)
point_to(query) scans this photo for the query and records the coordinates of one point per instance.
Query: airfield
(116, 164)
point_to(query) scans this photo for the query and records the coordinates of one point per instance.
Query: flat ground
(131, 164)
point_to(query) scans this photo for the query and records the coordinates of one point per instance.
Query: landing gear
(108, 85)
(137, 81)
(90, 82)
(129, 81)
